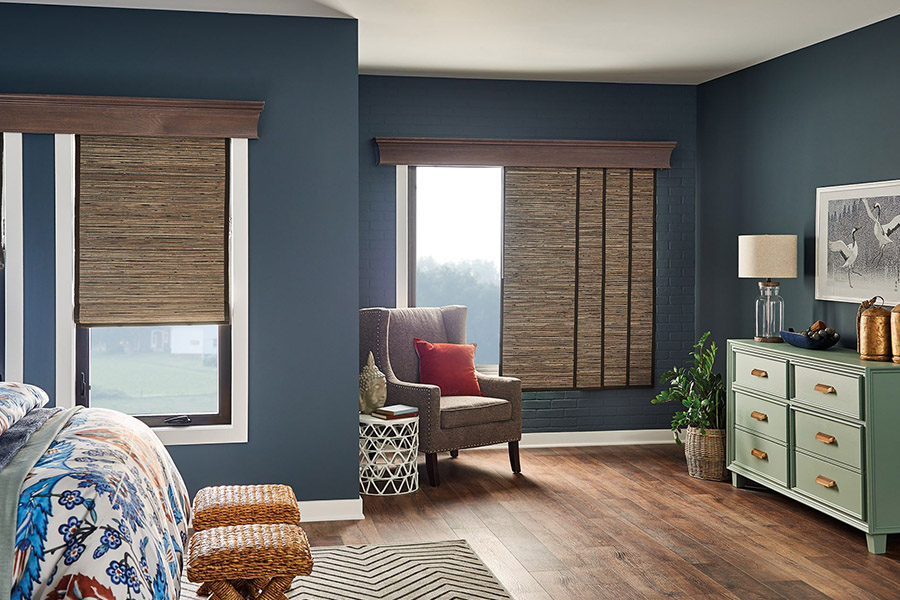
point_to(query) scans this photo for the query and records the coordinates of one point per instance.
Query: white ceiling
(647, 41)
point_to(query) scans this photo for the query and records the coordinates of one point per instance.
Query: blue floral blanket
(101, 514)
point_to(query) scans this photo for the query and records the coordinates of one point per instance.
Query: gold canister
(895, 333)
(875, 334)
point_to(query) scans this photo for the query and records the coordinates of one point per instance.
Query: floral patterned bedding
(103, 514)
(16, 399)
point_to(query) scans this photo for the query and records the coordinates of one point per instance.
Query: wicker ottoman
(249, 562)
(226, 505)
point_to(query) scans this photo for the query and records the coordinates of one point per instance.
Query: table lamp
(767, 257)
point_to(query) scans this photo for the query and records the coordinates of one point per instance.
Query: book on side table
(396, 411)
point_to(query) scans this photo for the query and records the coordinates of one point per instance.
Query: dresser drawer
(761, 455)
(767, 375)
(834, 485)
(761, 416)
(829, 438)
(819, 387)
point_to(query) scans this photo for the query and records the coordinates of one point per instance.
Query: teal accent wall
(768, 137)
(39, 233)
(304, 233)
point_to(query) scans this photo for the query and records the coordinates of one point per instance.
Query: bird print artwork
(882, 231)
(848, 252)
(858, 247)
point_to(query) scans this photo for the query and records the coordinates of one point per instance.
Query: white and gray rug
(428, 571)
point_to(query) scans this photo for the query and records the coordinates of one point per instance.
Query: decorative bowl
(801, 341)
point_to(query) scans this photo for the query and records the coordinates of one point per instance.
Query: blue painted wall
(304, 274)
(39, 231)
(769, 136)
(434, 107)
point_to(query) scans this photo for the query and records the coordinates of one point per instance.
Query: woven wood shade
(539, 276)
(591, 256)
(642, 292)
(151, 231)
(584, 324)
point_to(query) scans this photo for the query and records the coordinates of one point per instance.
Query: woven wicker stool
(226, 505)
(249, 562)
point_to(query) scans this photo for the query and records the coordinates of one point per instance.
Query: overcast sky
(458, 213)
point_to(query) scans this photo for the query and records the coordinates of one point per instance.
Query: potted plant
(699, 389)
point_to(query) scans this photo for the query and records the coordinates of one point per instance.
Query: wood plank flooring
(625, 522)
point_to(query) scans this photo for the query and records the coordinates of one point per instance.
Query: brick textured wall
(433, 107)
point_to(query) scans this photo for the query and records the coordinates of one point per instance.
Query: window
(456, 249)
(166, 375)
(152, 254)
(578, 236)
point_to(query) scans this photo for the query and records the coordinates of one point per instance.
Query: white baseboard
(623, 437)
(331, 510)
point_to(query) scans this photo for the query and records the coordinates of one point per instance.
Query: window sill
(201, 434)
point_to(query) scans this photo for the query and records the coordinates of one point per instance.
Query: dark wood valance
(111, 115)
(523, 153)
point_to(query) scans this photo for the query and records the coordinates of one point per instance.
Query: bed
(91, 505)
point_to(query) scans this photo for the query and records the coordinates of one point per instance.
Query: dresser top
(842, 356)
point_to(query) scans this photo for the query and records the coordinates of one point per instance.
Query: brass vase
(874, 332)
(895, 333)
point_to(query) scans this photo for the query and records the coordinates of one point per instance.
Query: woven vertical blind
(151, 231)
(539, 276)
(584, 322)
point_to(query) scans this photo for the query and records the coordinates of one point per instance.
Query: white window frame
(402, 245)
(14, 266)
(236, 431)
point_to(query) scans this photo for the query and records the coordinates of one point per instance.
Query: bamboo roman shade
(152, 223)
(578, 277)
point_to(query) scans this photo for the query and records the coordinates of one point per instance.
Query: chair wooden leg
(454, 454)
(431, 466)
(514, 457)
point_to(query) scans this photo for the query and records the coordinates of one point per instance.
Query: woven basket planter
(705, 453)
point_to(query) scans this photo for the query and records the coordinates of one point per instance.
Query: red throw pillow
(448, 366)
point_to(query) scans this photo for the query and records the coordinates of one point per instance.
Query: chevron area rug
(428, 571)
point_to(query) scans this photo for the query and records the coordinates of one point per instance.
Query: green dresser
(820, 426)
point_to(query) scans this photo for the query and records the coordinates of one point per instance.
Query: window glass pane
(458, 248)
(155, 370)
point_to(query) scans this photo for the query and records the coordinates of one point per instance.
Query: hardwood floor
(625, 522)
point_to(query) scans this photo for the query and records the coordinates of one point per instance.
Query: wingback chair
(446, 423)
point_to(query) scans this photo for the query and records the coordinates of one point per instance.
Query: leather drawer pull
(825, 389)
(759, 373)
(825, 482)
(825, 438)
(759, 454)
(759, 416)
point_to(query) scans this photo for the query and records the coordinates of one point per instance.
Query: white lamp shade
(764, 256)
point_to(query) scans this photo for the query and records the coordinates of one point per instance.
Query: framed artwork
(858, 242)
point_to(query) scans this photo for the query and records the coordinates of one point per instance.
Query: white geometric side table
(388, 452)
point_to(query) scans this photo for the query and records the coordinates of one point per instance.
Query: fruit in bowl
(817, 336)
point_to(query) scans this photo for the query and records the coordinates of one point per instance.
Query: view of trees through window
(459, 247)
(155, 370)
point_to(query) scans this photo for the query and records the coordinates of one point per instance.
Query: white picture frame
(853, 265)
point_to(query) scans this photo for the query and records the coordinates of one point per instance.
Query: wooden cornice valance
(111, 115)
(523, 153)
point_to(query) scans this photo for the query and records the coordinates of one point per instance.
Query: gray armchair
(446, 423)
